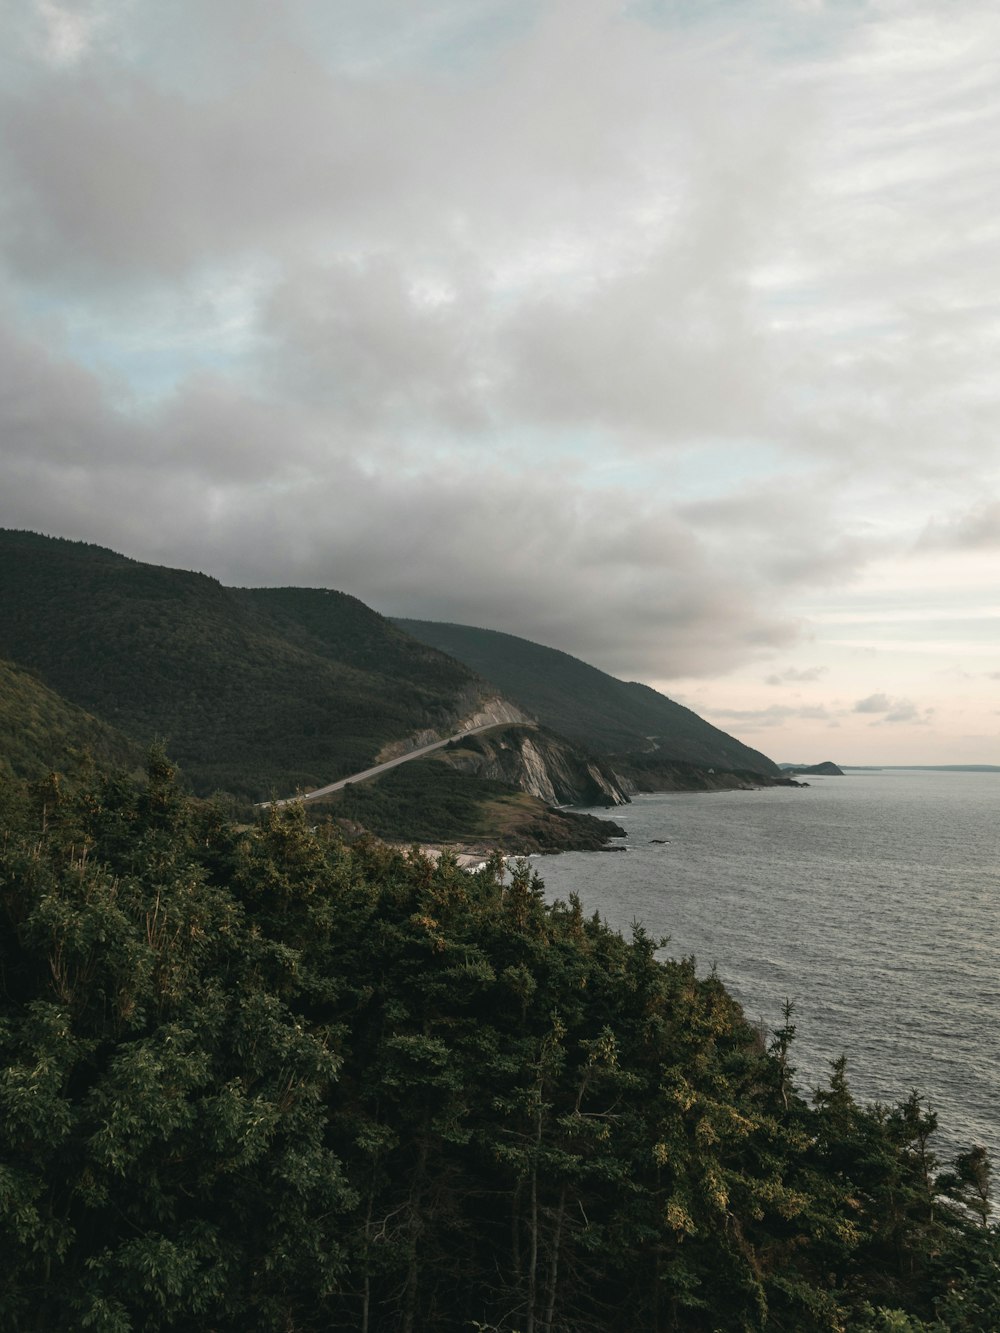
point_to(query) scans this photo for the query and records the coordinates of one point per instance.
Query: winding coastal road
(389, 763)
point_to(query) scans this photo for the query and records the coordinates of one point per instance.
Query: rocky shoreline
(562, 830)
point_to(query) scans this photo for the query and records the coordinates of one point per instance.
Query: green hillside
(256, 1079)
(265, 691)
(253, 691)
(38, 729)
(594, 709)
(429, 801)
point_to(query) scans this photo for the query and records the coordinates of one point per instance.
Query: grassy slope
(253, 691)
(604, 714)
(429, 801)
(39, 729)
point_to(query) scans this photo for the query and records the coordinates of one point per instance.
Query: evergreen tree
(254, 1078)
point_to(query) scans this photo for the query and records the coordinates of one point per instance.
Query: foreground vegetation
(255, 1078)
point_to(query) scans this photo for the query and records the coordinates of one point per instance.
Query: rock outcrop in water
(827, 769)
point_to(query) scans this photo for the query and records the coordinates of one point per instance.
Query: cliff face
(539, 762)
(474, 708)
(495, 709)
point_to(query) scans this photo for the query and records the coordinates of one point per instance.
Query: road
(384, 768)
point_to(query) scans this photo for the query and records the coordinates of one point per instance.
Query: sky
(664, 333)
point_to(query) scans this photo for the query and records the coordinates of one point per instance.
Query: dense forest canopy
(38, 728)
(256, 1078)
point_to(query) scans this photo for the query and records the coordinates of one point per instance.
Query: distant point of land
(921, 768)
(827, 769)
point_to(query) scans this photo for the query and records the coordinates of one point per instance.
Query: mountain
(254, 691)
(599, 712)
(263, 692)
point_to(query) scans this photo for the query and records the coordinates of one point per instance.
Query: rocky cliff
(537, 761)
(475, 709)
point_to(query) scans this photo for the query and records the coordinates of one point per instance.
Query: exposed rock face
(476, 711)
(539, 762)
(494, 710)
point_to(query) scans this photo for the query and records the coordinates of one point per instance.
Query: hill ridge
(254, 691)
(263, 692)
(597, 710)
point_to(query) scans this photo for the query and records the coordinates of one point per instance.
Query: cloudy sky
(664, 332)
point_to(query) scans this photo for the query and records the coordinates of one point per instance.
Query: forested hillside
(256, 691)
(430, 801)
(38, 729)
(605, 715)
(256, 1079)
(262, 692)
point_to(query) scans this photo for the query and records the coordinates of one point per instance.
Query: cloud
(639, 338)
(776, 715)
(119, 179)
(973, 529)
(370, 343)
(67, 33)
(905, 711)
(893, 710)
(791, 676)
(874, 703)
(472, 542)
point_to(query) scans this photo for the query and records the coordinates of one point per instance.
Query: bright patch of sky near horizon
(658, 332)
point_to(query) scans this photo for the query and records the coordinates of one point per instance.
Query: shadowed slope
(252, 690)
(596, 710)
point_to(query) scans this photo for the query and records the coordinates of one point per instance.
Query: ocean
(869, 900)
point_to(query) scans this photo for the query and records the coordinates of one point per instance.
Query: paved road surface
(390, 763)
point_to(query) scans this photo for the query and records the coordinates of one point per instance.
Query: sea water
(869, 900)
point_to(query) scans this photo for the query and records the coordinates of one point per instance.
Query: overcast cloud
(661, 333)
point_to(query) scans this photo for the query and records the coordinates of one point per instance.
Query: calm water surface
(871, 901)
